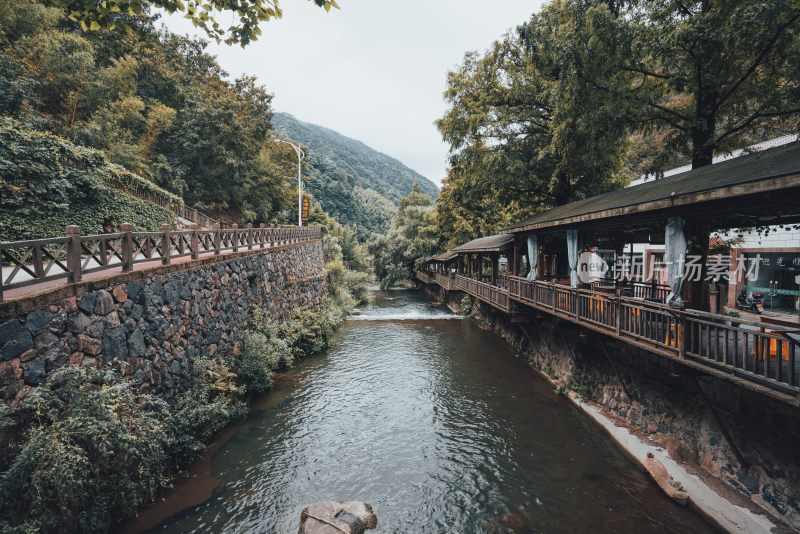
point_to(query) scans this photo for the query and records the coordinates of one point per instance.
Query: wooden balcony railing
(742, 348)
(425, 277)
(490, 294)
(444, 280)
(27, 263)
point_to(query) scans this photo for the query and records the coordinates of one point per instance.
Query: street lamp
(300, 156)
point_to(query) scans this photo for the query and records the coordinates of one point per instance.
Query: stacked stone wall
(152, 324)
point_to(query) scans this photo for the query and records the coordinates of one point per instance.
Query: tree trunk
(704, 128)
(562, 192)
(696, 290)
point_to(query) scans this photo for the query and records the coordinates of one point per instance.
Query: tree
(413, 236)
(113, 14)
(526, 130)
(710, 72)
(153, 102)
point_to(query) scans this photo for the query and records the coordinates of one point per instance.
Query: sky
(374, 70)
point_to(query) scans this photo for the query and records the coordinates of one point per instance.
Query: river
(436, 424)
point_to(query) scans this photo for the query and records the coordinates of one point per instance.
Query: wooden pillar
(734, 284)
(513, 266)
(695, 291)
(619, 259)
(495, 261)
(217, 239)
(195, 241)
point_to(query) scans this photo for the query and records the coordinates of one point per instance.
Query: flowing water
(436, 424)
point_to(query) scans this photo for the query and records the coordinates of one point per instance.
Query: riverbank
(648, 407)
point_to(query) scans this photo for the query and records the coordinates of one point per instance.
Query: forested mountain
(357, 184)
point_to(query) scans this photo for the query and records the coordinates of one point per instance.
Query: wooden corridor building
(678, 320)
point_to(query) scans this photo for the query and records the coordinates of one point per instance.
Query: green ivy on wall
(47, 183)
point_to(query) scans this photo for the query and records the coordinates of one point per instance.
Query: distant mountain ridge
(357, 184)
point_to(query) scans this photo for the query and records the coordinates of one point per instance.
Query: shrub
(256, 363)
(356, 283)
(205, 409)
(265, 351)
(96, 449)
(466, 305)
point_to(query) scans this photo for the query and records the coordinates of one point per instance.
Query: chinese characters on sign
(718, 268)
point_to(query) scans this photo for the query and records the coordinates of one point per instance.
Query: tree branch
(646, 102)
(684, 9)
(648, 73)
(759, 59)
(749, 120)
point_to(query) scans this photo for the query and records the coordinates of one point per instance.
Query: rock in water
(331, 517)
(671, 487)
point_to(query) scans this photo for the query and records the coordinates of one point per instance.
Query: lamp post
(300, 156)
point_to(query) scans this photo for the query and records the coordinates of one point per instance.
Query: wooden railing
(490, 294)
(27, 263)
(424, 277)
(444, 280)
(642, 290)
(742, 348)
(175, 206)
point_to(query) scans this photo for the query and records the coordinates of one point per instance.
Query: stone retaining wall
(152, 324)
(666, 407)
(451, 299)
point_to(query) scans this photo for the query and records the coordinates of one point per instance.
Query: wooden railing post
(235, 228)
(127, 246)
(217, 239)
(196, 241)
(166, 246)
(262, 238)
(681, 318)
(249, 236)
(74, 253)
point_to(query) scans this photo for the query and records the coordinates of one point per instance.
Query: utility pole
(300, 156)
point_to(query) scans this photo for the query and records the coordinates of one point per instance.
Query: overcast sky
(374, 70)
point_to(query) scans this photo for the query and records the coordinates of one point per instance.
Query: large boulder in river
(331, 517)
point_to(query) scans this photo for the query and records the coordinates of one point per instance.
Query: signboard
(306, 206)
(774, 291)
